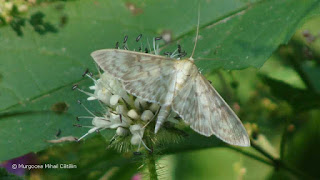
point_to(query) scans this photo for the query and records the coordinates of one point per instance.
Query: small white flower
(154, 107)
(101, 122)
(114, 100)
(140, 104)
(133, 114)
(121, 109)
(135, 139)
(109, 91)
(122, 131)
(147, 115)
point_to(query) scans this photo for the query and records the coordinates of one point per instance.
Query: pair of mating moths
(177, 85)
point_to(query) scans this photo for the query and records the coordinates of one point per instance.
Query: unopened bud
(147, 115)
(133, 114)
(114, 99)
(122, 131)
(154, 107)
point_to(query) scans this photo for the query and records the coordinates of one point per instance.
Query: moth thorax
(186, 69)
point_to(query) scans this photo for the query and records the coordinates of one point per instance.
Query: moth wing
(200, 105)
(146, 76)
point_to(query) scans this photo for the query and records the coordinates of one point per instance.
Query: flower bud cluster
(128, 115)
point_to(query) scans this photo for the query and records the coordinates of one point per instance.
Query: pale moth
(177, 85)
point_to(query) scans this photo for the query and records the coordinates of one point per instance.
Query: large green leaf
(39, 66)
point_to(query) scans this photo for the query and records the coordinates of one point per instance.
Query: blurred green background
(265, 62)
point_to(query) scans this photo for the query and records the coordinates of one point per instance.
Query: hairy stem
(151, 163)
(150, 157)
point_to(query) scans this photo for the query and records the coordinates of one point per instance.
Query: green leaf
(39, 65)
(300, 99)
(96, 162)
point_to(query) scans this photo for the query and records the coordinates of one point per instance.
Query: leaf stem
(150, 158)
(284, 140)
(151, 163)
(276, 163)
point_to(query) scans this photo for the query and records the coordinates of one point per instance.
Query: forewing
(200, 105)
(146, 76)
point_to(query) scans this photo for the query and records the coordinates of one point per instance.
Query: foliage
(45, 50)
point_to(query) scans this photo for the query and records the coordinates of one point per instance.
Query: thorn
(74, 87)
(139, 37)
(125, 39)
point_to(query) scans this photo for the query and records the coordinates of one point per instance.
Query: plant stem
(151, 163)
(284, 140)
(150, 158)
(253, 156)
(276, 163)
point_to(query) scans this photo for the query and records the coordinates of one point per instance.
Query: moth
(176, 85)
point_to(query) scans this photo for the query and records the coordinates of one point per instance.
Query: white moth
(177, 85)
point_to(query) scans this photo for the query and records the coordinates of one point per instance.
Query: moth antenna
(152, 118)
(197, 34)
(207, 59)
